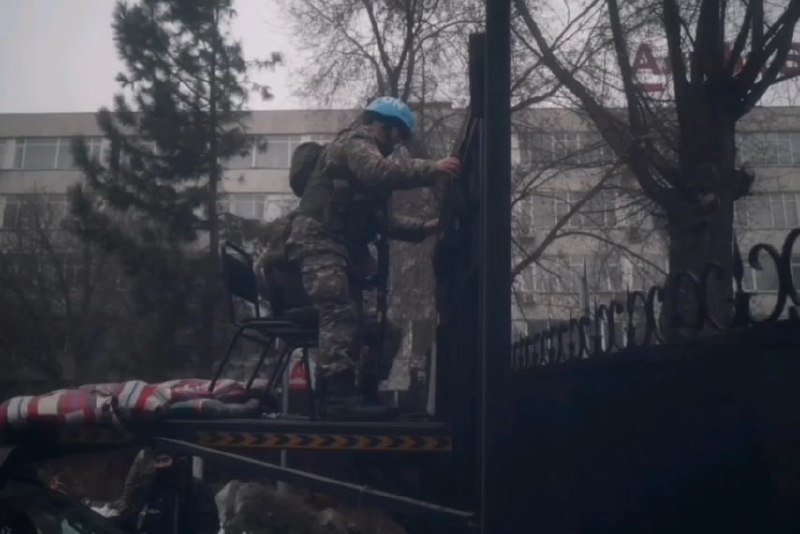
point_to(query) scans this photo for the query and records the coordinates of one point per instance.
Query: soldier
(342, 208)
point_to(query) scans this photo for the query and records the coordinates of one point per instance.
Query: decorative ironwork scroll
(619, 327)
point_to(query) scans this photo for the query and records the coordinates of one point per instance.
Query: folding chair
(241, 286)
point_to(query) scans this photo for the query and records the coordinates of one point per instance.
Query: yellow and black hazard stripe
(271, 440)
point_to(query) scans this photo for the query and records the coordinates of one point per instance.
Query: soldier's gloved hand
(431, 227)
(449, 165)
(447, 170)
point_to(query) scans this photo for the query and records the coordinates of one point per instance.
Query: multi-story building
(35, 156)
(616, 241)
(611, 244)
(36, 163)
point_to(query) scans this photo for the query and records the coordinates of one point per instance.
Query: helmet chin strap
(385, 143)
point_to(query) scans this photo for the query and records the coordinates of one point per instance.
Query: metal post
(281, 486)
(495, 281)
(198, 469)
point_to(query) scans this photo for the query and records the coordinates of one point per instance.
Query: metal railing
(641, 320)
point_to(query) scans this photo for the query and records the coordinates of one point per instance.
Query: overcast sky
(58, 55)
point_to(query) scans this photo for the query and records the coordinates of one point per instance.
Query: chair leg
(283, 360)
(311, 401)
(227, 357)
(261, 359)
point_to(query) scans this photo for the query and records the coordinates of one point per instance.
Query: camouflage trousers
(326, 281)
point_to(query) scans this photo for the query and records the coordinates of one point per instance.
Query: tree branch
(672, 28)
(601, 115)
(782, 45)
(775, 38)
(623, 60)
(350, 39)
(385, 60)
(535, 99)
(613, 130)
(553, 233)
(739, 42)
(615, 244)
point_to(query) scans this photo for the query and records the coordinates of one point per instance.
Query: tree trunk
(696, 240)
(700, 221)
(212, 272)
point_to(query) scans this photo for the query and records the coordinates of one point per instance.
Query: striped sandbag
(102, 403)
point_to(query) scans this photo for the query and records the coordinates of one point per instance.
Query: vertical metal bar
(198, 468)
(281, 486)
(495, 281)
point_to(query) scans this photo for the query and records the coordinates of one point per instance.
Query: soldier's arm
(255, 229)
(409, 229)
(247, 229)
(382, 174)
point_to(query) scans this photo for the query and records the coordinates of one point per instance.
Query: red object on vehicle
(297, 378)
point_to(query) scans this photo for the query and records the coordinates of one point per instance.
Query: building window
(99, 149)
(30, 269)
(523, 217)
(36, 153)
(268, 152)
(536, 148)
(764, 279)
(598, 212)
(784, 210)
(245, 205)
(545, 279)
(769, 148)
(72, 267)
(43, 153)
(605, 274)
(595, 151)
(566, 146)
(261, 206)
(20, 268)
(769, 210)
(32, 211)
(557, 275)
(6, 154)
(524, 284)
(519, 329)
(279, 205)
(741, 213)
(646, 275)
(278, 152)
(243, 160)
(565, 149)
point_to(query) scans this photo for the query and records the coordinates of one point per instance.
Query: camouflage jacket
(278, 278)
(348, 194)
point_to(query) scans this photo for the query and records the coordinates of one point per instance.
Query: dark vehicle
(28, 507)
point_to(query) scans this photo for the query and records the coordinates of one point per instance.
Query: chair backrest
(240, 279)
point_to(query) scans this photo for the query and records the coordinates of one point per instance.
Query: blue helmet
(393, 108)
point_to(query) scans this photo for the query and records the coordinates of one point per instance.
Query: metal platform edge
(356, 494)
(258, 434)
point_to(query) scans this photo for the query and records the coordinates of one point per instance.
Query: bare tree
(680, 145)
(409, 49)
(57, 295)
(416, 50)
(574, 208)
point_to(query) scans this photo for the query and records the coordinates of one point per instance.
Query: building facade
(596, 250)
(36, 163)
(582, 230)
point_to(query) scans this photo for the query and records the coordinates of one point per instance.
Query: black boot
(342, 401)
